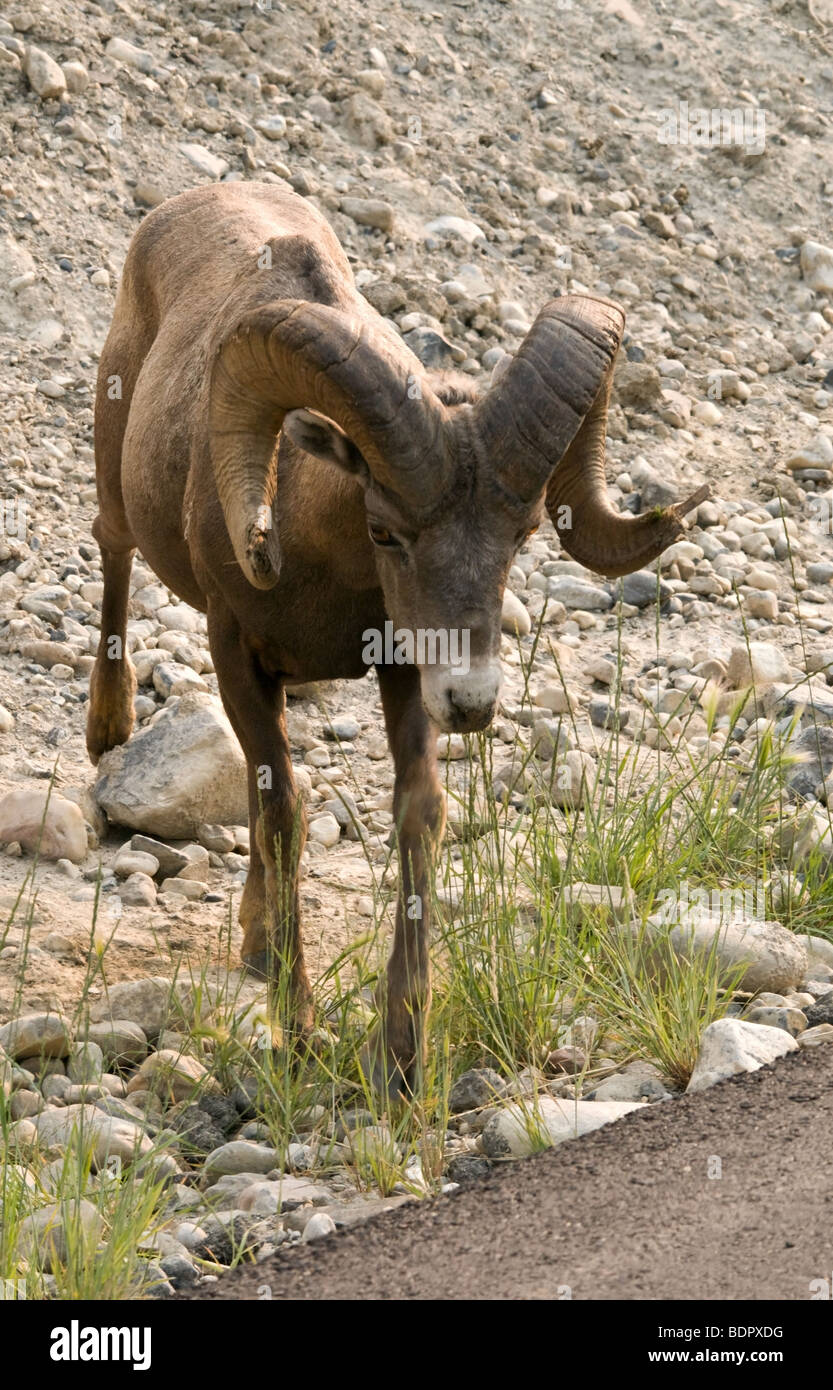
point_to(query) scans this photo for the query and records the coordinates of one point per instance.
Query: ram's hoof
(257, 965)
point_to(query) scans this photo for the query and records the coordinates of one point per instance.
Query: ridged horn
(293, 354)
(544, 423)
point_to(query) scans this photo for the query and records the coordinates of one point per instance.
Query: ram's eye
(380, 535)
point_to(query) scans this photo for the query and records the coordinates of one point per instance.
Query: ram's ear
(323, 438)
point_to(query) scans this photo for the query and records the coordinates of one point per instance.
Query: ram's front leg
(419, 817)
(269, 913)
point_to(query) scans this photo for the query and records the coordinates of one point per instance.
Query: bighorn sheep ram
(286, 465)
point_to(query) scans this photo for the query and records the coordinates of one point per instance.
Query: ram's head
(452, 487)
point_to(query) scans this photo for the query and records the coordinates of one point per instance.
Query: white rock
(817, 266)
(514, 617)
(321, 1224)
(204, 161)
(76, 76)
(45, 75)
(123, 52)
(707, 413)
(273, 127)
(450, 225)
(134, 861)
(763, 663)
(729, 1046)
(520, 1130)
(182, 770)
(6, 720)
(55, 831)
(325, 830)
(554, 698)
(761, 603)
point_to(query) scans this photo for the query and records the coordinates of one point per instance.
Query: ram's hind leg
(112, 679)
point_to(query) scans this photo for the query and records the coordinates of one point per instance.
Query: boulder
(184, 769)
(44, 823)
(523, 1129)
(775, 957)
(729, 1046)
(35, 1035)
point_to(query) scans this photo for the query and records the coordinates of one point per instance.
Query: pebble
(130, 861)
(817, 266)
(369, 212)
(45, 76)
(579, 593)
(475, 1088)
(211, 165)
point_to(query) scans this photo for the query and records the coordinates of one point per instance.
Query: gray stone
(574, 592)
(793, 1021)
(821, 1011)
(640, 589)
(35, 1035)
(176, 774)
(775, 957)
(122, 1041)
(432, 349)
(239, 1156)
(43, 1236)
(170, 861)
(815, 747)
(480, 1086)
(153, 1004)
(85, 1061)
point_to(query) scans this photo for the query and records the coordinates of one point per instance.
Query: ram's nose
(461, 704)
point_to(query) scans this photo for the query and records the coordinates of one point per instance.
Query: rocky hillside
(475, 158)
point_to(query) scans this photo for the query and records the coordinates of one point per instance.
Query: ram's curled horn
(293, 354)
(543, 424)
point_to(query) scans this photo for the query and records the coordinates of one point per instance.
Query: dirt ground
(628, 1212)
